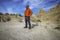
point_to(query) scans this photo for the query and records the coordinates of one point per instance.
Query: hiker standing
(27, 14)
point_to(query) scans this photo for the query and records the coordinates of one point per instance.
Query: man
(27, 14)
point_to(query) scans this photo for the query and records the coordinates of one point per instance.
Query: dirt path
(15, 31)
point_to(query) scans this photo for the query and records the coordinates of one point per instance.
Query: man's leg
(25, 22)
(29, 22)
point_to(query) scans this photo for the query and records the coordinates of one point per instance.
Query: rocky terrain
(45, 26)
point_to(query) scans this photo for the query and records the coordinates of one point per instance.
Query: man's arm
(30, 12)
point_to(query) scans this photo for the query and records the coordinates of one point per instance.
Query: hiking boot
(29, 27)
(25, 27)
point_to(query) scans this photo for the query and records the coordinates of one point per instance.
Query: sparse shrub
(58, 27)
(20, 15)
(6, 13)
(59, 16)
(13, 14)
(38, 20)
(1, 13)
(57, 20)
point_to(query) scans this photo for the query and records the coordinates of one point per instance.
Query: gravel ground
(16, 31)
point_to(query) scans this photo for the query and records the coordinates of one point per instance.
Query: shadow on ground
(34, 25)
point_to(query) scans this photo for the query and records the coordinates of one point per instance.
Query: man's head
(27, 6)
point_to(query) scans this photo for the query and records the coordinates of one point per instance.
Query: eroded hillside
(53, 16)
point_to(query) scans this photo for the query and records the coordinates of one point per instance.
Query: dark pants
(27, 21)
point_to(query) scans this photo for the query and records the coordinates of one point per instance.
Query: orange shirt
(28, 12)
